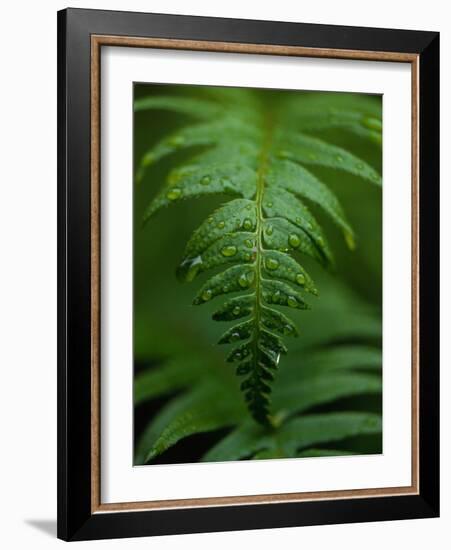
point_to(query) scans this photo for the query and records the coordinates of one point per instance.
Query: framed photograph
(248, 274)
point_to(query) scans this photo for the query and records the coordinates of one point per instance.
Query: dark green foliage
(258, 153)
(204, 396)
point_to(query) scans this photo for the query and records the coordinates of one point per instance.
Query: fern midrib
(268, 127)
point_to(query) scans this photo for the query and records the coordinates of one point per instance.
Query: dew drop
(236, 310)
(269, 230)
(292, 302)
(247, 257)
(228, 251)
(189, 268)
(235, 336)
(243, 280)
(210, 219)
(247, 224)
(174, 194)
(248, 243)
(300, 279)
(288, 329)
(269, 205)
(275, 298)
(206, 295)
(271, 264)
(225, 288)
(205, 180)
(294, 240)
(339, 158)
(221, 225)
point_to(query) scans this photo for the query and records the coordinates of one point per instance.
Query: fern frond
(254, 155)
(354, 113)
(314, 375)
(300, 433)
(200, 410)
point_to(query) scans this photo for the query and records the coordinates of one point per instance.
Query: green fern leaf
(304, 394)
(172, 376)
(198, 108)
(321, 375)
(303, 432)
(253, 154)
(201, 410)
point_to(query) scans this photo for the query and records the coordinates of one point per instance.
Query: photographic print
(257, 274)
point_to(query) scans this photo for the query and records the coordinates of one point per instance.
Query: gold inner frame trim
(97, 41)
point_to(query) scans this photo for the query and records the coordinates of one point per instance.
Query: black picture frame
(76, 520)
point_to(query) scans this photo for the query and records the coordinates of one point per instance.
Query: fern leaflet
(257, 154)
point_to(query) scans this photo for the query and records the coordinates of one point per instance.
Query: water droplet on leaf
(247, 224)
(243, 280)
(174, 194)
(189, 268)
(205, 180)
(300, 279)
(206, 295)
(271, 264)
(228, 251)
(294, 240)
(292, 302)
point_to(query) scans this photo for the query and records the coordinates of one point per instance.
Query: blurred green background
(348, 309)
